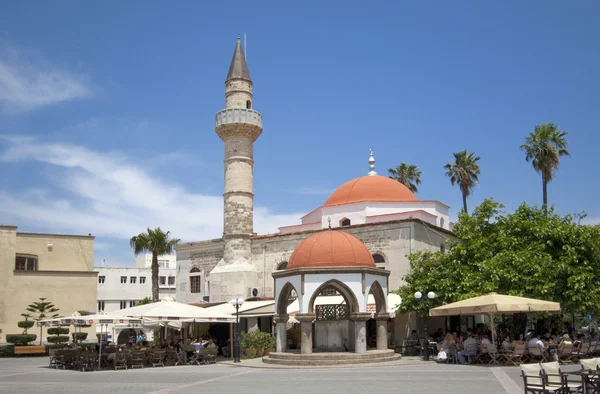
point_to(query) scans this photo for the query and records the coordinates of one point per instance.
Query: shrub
(58, 331)
(79, 336)
(56, 346)
(20, 339)
(25, 325)
(7, 351)
(257, 340)
(58, 339)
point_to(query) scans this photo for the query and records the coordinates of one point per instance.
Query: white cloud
(27, 82)
(111, 196)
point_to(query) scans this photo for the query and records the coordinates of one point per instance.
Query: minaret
(238, 125)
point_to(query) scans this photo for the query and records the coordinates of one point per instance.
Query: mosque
(370, 213)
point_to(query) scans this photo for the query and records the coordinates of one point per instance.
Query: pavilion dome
(331, 248)
(370, 188)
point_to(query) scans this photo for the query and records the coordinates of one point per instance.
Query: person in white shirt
(536, 341)
(470, 345)
(485, 340)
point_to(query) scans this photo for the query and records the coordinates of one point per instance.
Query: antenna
(245, 47)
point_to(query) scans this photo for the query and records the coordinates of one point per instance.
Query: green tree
(464, 171)
(532, 252)
(544, 147)
(145, 301)
(158, 243)
(42, 309)
(407, 174)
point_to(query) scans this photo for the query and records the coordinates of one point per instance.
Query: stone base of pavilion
(292, 358)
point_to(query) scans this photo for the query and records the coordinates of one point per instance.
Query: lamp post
(423, 300)
(237, 303)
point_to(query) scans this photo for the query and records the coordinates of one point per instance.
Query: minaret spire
(238, 68)
(371, 164)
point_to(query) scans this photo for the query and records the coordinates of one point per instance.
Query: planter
(260, 352)
(268, 351)
(250, 352)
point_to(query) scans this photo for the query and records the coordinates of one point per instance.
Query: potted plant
(270, 344)
(21, 341)
(248, 343)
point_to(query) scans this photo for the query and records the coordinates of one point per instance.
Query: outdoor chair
(515, 357)
(582, 351)
(534, 381)
(195, 359)
(593, 366)
(158, 357)
(137, 358)
(537, 354)
(565, 356)
(554, 376)
(593, 350)
(492, 354)
(208, 355)
(87, 361)
(120, 360)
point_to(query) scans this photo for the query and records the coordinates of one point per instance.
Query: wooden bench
(30, 349)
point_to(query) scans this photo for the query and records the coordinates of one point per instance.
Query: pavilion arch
(283, 299)
(379, 296)
(342, 288)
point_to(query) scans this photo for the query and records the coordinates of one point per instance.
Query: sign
(590, 317)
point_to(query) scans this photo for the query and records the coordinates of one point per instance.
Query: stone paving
(32, 375)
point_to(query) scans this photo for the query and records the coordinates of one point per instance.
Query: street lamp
(419, 296)
(237, 303)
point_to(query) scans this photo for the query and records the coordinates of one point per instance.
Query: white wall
(164, 261)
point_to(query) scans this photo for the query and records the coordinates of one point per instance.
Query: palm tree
(465, 172)
(43, 310)
(158, 243)
(544, 147)
(407, 174)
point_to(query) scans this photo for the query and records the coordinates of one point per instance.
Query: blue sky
(107, 109)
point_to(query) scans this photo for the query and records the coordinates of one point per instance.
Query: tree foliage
(544, 147)
(158, 243)
(464, 171)
(42, 309)
(527, 253)
(407, 174)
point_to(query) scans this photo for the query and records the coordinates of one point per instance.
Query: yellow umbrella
(495, 304)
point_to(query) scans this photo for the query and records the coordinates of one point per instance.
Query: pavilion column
(360, 331)
(306, 325)
(382, 330)
(281, 321)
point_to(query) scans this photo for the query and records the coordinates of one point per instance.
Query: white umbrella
(171, 310)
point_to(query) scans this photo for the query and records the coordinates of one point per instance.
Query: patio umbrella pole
(492, 324)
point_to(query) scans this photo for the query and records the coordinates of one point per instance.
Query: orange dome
(374, 188)
(331, 248)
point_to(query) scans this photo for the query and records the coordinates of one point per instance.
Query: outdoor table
(585, 376)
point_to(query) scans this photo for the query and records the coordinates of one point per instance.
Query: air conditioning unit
(252, 292)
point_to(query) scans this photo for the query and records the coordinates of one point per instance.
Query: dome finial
(239, 37)
(371, 163)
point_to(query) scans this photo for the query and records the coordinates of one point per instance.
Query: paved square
(32, 375)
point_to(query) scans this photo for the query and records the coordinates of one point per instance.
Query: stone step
(333, 355)
(300, 361)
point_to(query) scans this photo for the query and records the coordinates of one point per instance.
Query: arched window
(248, 104)
(282, 265)
(442, 222)
(195, 280)
(379, 260)
(345, 222)
(443, 248)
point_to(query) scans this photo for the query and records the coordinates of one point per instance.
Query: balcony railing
(238, 115)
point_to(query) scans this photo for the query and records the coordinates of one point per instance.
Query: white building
(120, 287)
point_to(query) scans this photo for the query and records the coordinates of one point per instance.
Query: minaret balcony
(238, 115)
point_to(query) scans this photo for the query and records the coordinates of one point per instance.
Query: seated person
(470, 349)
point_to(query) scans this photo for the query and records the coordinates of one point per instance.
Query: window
(132, 279)
(163, 263)
(282, 265)
(195, 280)
(26, 263)
(142, 280)
(379, 260)
(442, 222)
(100, 306)
(443, 248)
(123, 279)
(131, 304)
(345, 222)
(248, 104)
(171, 280)
(123, 304)
(162, 280)
(101, 279)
